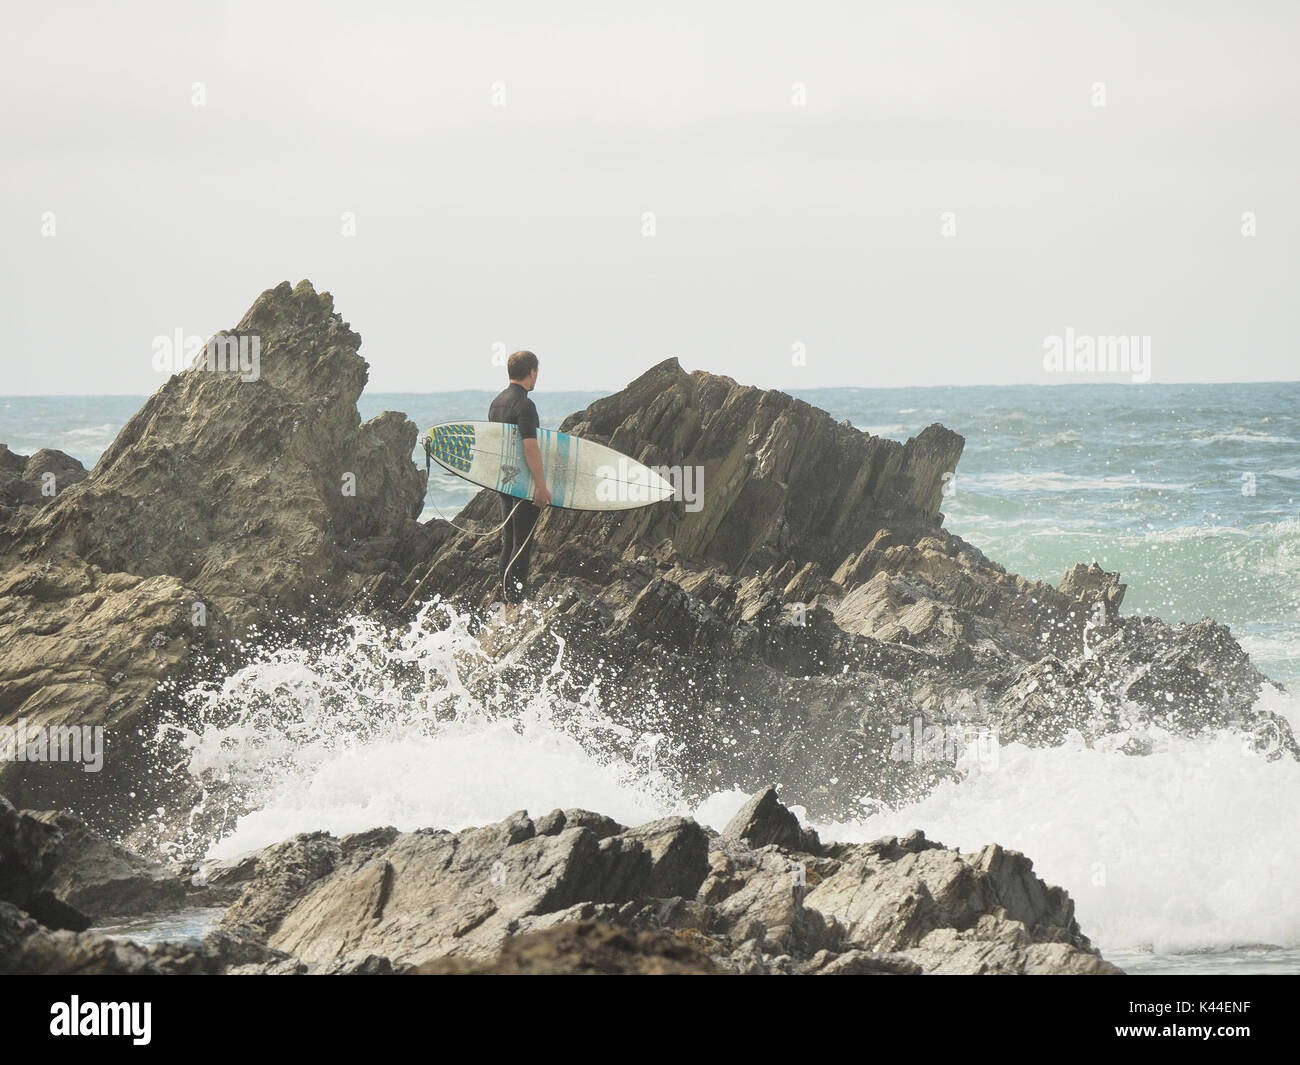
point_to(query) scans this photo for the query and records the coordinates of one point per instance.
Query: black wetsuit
(514, 406)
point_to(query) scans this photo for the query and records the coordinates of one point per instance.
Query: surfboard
(581, 474)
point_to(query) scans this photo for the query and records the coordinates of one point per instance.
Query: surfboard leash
(505, 577)
(428, 470)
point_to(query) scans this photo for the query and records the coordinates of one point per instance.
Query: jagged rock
(951, 912)
(791, 502)
(281, 873)
(583, 948)
(792, 618)
(758, 897)
(410, 896)
(660, 897)
(763, 820)
(103, 879)
(1091, 584)
(29, 948)
(388, 901)
(33, 481)
(1043, 704)
(68, 876)
(222, 505)
(29, 850)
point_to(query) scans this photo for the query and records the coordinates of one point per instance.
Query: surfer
(519, 515)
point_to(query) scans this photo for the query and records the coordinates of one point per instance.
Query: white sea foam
(1245, 436)
(1191, 847)
(93, 432)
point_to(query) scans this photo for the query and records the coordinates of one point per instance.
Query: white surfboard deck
(581, 475)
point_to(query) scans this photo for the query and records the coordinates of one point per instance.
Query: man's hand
(533, 456)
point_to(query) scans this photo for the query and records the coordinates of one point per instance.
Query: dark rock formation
(584, 948)
(812, 612)
(586, 895)
(763, 821)
(809, 620)
(28, 483)
(68, 876)
(223, 505)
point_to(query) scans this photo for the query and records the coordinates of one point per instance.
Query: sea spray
(1188, 848)
(415, 728)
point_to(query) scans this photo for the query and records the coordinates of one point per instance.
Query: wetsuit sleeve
(528, 420)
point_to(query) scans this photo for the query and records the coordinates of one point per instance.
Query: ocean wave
(93, 432)
(1067, 482)
(1272, 648)
(1241, 435)
(1189, 848)
(362, 727)
(1269, 530)
(1069, 436)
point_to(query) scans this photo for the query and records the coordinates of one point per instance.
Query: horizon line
(812, 388)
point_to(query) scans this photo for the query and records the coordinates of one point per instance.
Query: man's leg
(521, 526)
(507, 542)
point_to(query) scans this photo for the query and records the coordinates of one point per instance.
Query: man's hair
(521, 364)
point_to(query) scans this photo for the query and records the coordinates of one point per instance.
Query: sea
(1183, 861)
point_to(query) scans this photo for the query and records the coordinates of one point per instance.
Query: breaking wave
(1188, 848)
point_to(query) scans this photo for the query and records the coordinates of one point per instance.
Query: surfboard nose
(660, 489)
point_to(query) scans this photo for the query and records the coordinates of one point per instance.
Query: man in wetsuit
(514, 406)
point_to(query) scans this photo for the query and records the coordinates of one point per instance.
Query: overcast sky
(500, 160)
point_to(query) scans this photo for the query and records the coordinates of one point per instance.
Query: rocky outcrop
(799, 614)
(29, 482)
(411, 896)
(224, 505)
(805, 612)
(584, 948)
(29, 948)
(892, 906)
(768, 485)
(572, 891)
(69, 876)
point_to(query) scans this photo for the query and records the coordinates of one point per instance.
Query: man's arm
(528, 424)
(533, 456)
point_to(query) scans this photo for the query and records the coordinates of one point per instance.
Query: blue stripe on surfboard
(573, 467)
(562, 440)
